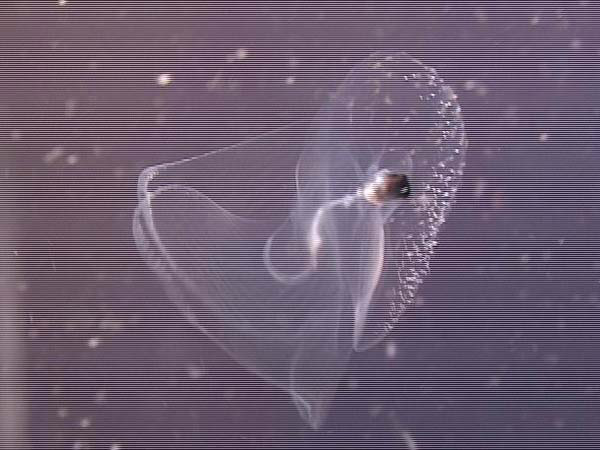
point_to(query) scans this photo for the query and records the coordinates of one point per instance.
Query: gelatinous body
(296, 248)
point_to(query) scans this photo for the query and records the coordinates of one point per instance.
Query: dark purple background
(503, 352)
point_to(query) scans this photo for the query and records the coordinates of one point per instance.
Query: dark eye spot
(397, 186)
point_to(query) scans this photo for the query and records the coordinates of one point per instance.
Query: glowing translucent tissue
(293, 249)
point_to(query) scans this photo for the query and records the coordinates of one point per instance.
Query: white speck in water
(196, 371)
(62, 2)
(551, 359)
(544, 137)
(110, 325)
(494, 381)
(70, 107)
(375, 410)
(85, 422)
(409, 441)
(290, 80)
(480, 15)
(480, 187)
(534, 20)
(239, 55)
(16, 135)
(54, 154)
(94, 342)
(72, 159)
(390, 349)
(115, 446)
(80, 445)
(100, 397)
(576, 44)
(477, 86)
(353, 384)
(62, 412)
(164, 79)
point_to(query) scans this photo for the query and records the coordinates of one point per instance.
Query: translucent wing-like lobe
(399, 116)
(273, 248)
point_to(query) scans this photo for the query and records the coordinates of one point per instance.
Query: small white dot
(576, 44)
(241, 53)
(544, 137)
(94, 342)
(164, 79)
(85, 422)
(100, 397)
(72, 159)
(390, 350)
(290, 81)
(80, 445)
(62, 2)
(195, 371)
(54, 154)
(70, 107)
